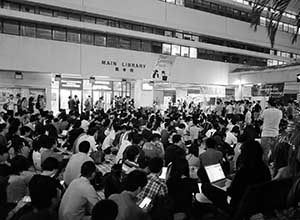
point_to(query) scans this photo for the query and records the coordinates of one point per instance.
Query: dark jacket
(174, 152)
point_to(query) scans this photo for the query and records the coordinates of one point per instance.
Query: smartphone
(163, 174)
(146, 202)
(26, 199)
(200, 187)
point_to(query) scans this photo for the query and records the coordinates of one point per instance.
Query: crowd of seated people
(129, 164)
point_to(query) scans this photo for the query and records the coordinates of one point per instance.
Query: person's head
(88, 170)
(84, 147)
(132, 153)
(177, 139)
(50, 164)
(155, 138)
(194, 150)
(235, 130)
(11, 96)
(272, 102)
(251, 154)
(44, 192)
(105, 210)
(137, 139)
(210, 143)
(155, 165)
(3, 128)
(19, 164)
(136, 181)
(51, 143)
(180, 167)
(25, 131)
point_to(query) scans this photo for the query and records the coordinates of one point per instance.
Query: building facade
(116, 47)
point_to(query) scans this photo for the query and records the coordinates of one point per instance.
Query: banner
(268, 89)
(163, 67)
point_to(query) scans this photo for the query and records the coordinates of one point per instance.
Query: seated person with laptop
(252, 171)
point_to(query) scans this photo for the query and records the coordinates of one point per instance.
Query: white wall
(37, 55)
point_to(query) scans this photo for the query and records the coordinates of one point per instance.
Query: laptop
(216, 176)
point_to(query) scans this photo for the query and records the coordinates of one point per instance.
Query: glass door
(64, 98)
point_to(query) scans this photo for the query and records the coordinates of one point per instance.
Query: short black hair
(210, 143)
(88, 168)
(50, 164)
(84, 147)
(131, 152)
(155, 164)
(176, 138)
(155, 137)
(42, 190)
(18, 164)
(135, 179)
(105, 210)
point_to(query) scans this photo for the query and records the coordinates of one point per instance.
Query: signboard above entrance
(71, 84)
(268, 89)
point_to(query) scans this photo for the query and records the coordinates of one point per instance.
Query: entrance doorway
(64, 97)
(107, 95)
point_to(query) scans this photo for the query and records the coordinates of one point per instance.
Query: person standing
(270, 130)
(71, 104)
(10, 105)
(88, 104)
(77, 103)
(19, 103)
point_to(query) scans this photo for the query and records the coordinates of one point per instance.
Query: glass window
(187, 37)
(291, 28)
(193, 52)
(125, 25)
(88, 19)
(285, 27)
(166, 49)
(178, 35)
(28, 30)
(43, 32)
(59, 34)
(137, 27)
(156, 47)
(184, 51)
(175, 50)
(112, 41)
(124, 43)
(101, 21)
(100, 40)
(73, 36)
(179, 2)
(60, 14)
(148, 29)
(11, 6)
(74, 17)
(158, 31)
(28, 8)
(11, 27)
(135, 44)
(146, 46)
(87, 38)
(113, 23)
(195, 38)
(169, 33)
(45, 11)
(262, 21)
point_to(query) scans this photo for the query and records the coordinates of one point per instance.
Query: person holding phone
(155, 187)
(126, 200)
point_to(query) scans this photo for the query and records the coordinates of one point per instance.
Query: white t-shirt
(271, 117)
(229, 109)
(230, 138)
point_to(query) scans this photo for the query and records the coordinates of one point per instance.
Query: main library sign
(123, 64)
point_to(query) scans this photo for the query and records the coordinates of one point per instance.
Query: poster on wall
(163, 67)
(268, 89)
